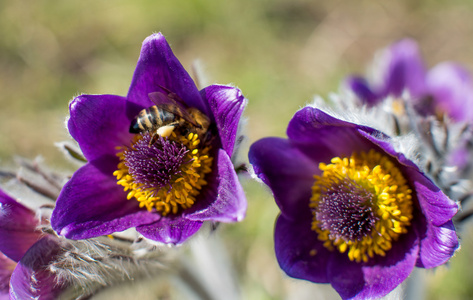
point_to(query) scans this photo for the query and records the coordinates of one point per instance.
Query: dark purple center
(155, 166)
(345, 211)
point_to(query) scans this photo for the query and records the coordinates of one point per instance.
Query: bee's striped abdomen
(151, 118)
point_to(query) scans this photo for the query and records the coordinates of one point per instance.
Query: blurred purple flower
(355, 213)
(174, 184)
(25, 254)
(445, 89)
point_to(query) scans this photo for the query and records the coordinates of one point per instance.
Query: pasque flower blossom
(25, 254)
(167, 184)
(355, 211)
(446, 89)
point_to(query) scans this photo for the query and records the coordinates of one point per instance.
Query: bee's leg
(153, 139)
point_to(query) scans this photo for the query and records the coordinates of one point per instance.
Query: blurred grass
(279, 52)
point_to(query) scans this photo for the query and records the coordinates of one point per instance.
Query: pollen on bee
(165, 131)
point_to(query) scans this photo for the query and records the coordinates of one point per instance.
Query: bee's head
(200, 119)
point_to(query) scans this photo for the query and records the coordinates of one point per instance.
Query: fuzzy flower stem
(47, 192)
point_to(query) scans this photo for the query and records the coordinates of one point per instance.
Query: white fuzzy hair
(89, 265)
(345, 106)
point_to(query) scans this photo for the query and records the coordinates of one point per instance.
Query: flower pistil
(361, 204)
(166, 175)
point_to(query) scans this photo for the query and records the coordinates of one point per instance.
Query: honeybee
(169, 113)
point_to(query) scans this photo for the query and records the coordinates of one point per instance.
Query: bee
(168, 114)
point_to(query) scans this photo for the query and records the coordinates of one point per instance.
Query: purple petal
(157, 67)
(99, 123)
(379, 276)
(224, 199)
(287, 172)
(6, 268)
(5, 295)
(437, 208)
(227, 105)
(32, 279)
(174, 230)
(451, 87)
(17, 228)
(322, 137)
(361, 88)
(404, 69)
(383, 144)
(300, 254)
(91, 204)
(437, 245)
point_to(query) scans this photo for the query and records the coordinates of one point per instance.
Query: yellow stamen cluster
(183, 188)
(391, 202)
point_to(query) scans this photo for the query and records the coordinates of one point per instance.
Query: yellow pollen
(391, 203)
(182, 191)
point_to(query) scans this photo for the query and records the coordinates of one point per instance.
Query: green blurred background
(280, 53)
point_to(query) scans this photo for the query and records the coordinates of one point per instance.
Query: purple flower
(25, 254)
(355, 213)
(445, 89)
(167, 186)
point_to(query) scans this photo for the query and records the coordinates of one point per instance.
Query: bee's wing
(159, 98)
(167, 97)
(173, 104)
(179, 111)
